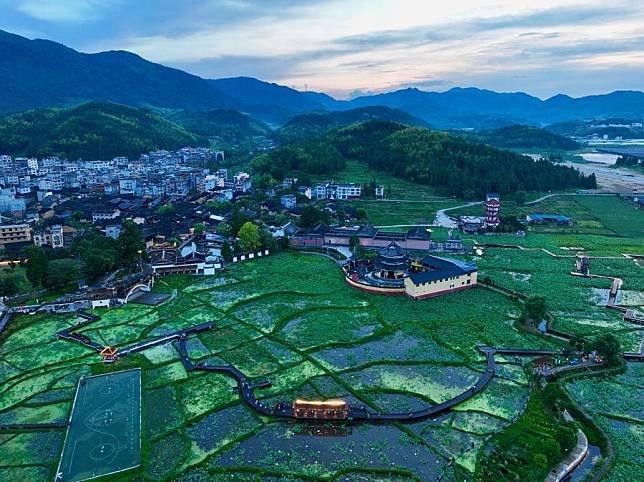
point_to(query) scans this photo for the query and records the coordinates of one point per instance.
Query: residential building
(11, 234)
(331, 190)
(107, 214)
(289, 201)
(127, 186)
(51, 236)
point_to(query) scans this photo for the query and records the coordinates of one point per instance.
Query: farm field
(291, 319)
(593, 215)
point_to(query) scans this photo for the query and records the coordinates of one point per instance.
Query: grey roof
(441, 268)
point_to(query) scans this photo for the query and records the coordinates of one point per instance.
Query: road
(547, 196)
(442, 220)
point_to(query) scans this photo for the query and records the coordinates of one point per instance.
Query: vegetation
(534, 309)
(226, 125)
(316, 124)
(93, 131)
(521, 136)
(249, 237)
(530, 447)
(452, 165)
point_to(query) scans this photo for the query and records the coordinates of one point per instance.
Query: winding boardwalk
(282, 410)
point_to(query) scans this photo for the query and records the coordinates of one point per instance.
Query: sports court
(104, 435)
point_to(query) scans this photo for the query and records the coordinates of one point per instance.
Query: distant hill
(315, 124)
(520, 136)
(227, 124)
(611, 127)
(272, 103)
(40, 73)
(481, 109)
(94, 131)
(451, 164)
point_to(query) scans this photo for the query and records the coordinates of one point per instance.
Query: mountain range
(42, 73)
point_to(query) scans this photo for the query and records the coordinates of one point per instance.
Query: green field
(600, 215)
(104, 436)
(291, 319)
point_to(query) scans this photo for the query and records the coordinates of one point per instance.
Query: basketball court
(104, 435)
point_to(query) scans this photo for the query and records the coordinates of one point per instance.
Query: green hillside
(315, 124)
(226, 124)
(91, 131)
(521, 136)
(451, 164)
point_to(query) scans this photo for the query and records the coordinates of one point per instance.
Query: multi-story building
(492, 210)
(51, 236)
(289, 201)
(331, 190)
(127, 186)
(107, 214)
(11, 234)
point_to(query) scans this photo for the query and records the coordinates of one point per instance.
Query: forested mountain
(91, 131)
(625, 128)
(40, 73)
(520, 136)
(226, 124)
(272, 103)
(315, 124)
(451, 164)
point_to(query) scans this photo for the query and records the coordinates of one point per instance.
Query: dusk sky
(359, 46)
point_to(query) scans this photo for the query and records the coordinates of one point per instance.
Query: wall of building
(440, 286)
(374, 289)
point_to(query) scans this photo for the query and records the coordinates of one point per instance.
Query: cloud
(68, 11)
(419, 35)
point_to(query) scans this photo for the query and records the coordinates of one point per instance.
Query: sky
(356, 47)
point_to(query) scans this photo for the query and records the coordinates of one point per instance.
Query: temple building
(394, 272)
(392, 262)
(436, 275)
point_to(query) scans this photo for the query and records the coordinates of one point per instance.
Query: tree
(227, 251)
(61, 272)
(520, 197)
(165, 210)
(268, 241)
(609, 348)
(10, 285)
(249, 237)
(199, 228)
(311, 216)
(96, 264)
(131, 244)
(534, 309)
(224, 229)
(36, 264)
(354, 245)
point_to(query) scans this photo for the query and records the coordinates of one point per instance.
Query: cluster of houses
(50, 192)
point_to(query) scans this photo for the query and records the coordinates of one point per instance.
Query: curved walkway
(282, 410)
(572, 460)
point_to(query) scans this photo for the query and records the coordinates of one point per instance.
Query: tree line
(451, 164)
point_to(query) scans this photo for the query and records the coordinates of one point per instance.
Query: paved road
(547, 196)
(442, 220)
